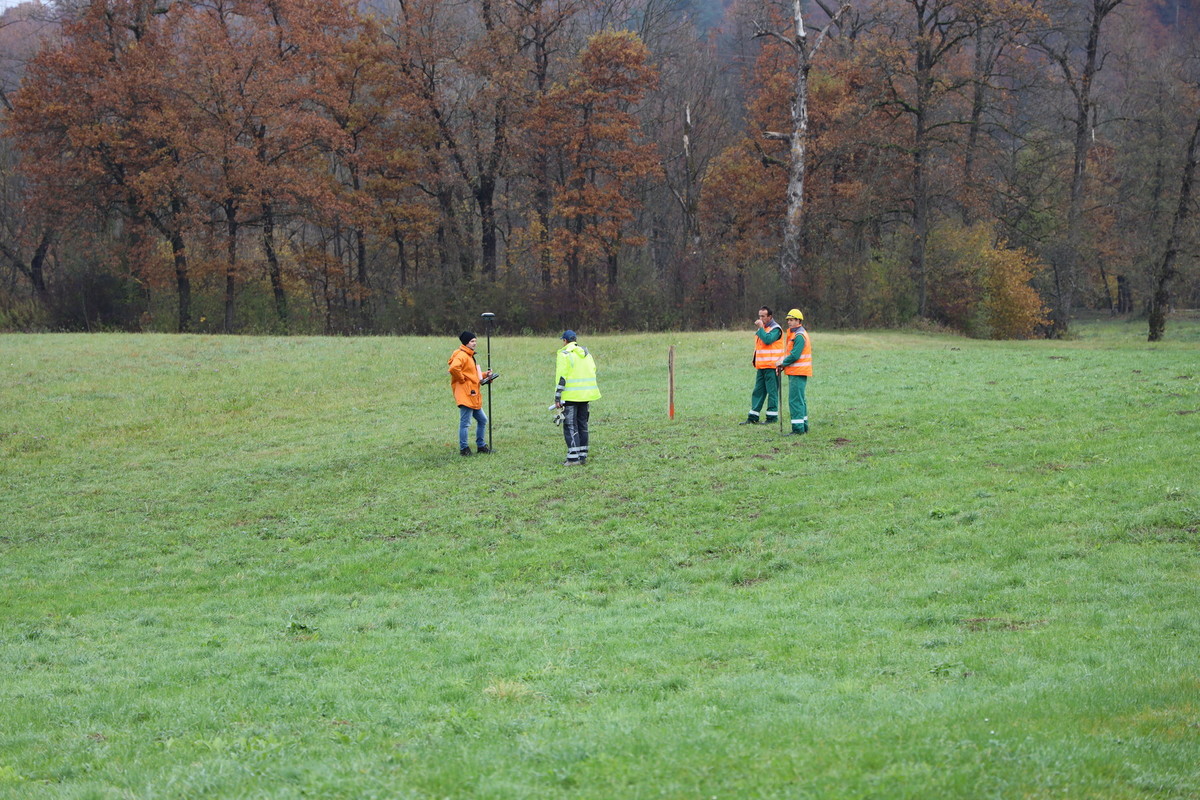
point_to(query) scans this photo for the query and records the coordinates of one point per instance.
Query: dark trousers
(575, 429)
(766, 387)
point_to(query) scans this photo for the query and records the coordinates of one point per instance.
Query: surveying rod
(489, 318)
(779, 390)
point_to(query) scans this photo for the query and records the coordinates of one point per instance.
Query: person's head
(765, 314)
(468, 338)
(568, 336)
(795, 318)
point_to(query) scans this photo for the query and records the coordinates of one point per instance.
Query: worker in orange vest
(797, 365)
(768, 349)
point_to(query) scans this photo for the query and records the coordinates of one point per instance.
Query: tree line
(992, 166)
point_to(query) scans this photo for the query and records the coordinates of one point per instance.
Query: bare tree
(797, 40)
(1072, 43)
(1166, 269)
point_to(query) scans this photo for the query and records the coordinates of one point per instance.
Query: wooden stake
(671, 383)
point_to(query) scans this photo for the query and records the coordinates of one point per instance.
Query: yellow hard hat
(795, 314)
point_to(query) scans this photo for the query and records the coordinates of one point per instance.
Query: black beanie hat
(466, 336)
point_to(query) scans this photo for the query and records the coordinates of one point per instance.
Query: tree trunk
(183, 283)
(541, 162)
(231, 223)
(978, 99)
(360, 256)
(789, 256)
(35, 270)
(273, 268)
(485, 198)
(171, 229)
(920, 212)
(541, 207)
(1067, 268)
(1166, 271)
(1112, 309)
(402, 256)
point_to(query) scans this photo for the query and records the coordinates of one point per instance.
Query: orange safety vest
(802, 365)
(766, 355)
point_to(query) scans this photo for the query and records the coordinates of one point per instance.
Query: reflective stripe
(754, 413)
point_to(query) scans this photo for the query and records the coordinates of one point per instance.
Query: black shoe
(748, 421)
(570, 463)
(583, 461)
(796, 433)
(483, 448)
(466, 451)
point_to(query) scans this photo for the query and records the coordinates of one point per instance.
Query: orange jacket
(767, 353)
(464, 378)
(801, 363)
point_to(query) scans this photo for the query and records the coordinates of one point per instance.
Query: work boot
(483, 448)
(570, 463)
(466, 451)
(749, 421)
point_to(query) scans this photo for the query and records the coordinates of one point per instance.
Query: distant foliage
(982, 287)
(337, 166)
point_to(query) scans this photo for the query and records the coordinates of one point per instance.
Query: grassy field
(258, 568)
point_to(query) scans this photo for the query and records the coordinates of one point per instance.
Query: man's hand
(758, 323)
(558, 404)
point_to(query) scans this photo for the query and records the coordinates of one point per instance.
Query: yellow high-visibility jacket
(575, 379)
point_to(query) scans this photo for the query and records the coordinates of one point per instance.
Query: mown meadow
(258, 568)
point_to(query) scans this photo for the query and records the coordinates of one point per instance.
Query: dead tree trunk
(1166, 270)
(791, 249)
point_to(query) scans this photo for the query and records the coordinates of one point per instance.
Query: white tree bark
(790, 251)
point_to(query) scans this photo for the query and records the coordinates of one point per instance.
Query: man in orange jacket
(465, 379)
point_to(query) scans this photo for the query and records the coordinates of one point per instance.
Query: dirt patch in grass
(981, 624)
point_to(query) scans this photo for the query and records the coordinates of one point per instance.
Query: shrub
(980, 286)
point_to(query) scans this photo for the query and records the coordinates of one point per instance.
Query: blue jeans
(464, 422)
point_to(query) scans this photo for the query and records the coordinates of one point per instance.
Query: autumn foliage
(337, 166)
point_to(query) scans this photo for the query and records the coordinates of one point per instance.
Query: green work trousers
(797, 407)
(766, 386)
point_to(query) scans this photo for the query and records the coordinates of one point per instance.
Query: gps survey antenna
(489, 318)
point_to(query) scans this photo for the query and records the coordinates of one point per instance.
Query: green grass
(244, 568)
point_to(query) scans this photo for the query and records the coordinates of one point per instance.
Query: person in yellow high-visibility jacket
(768, 349)
(797, 365)
(574, 387)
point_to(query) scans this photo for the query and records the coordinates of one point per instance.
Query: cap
(795, 314)
(466, 336)
(568, 336)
